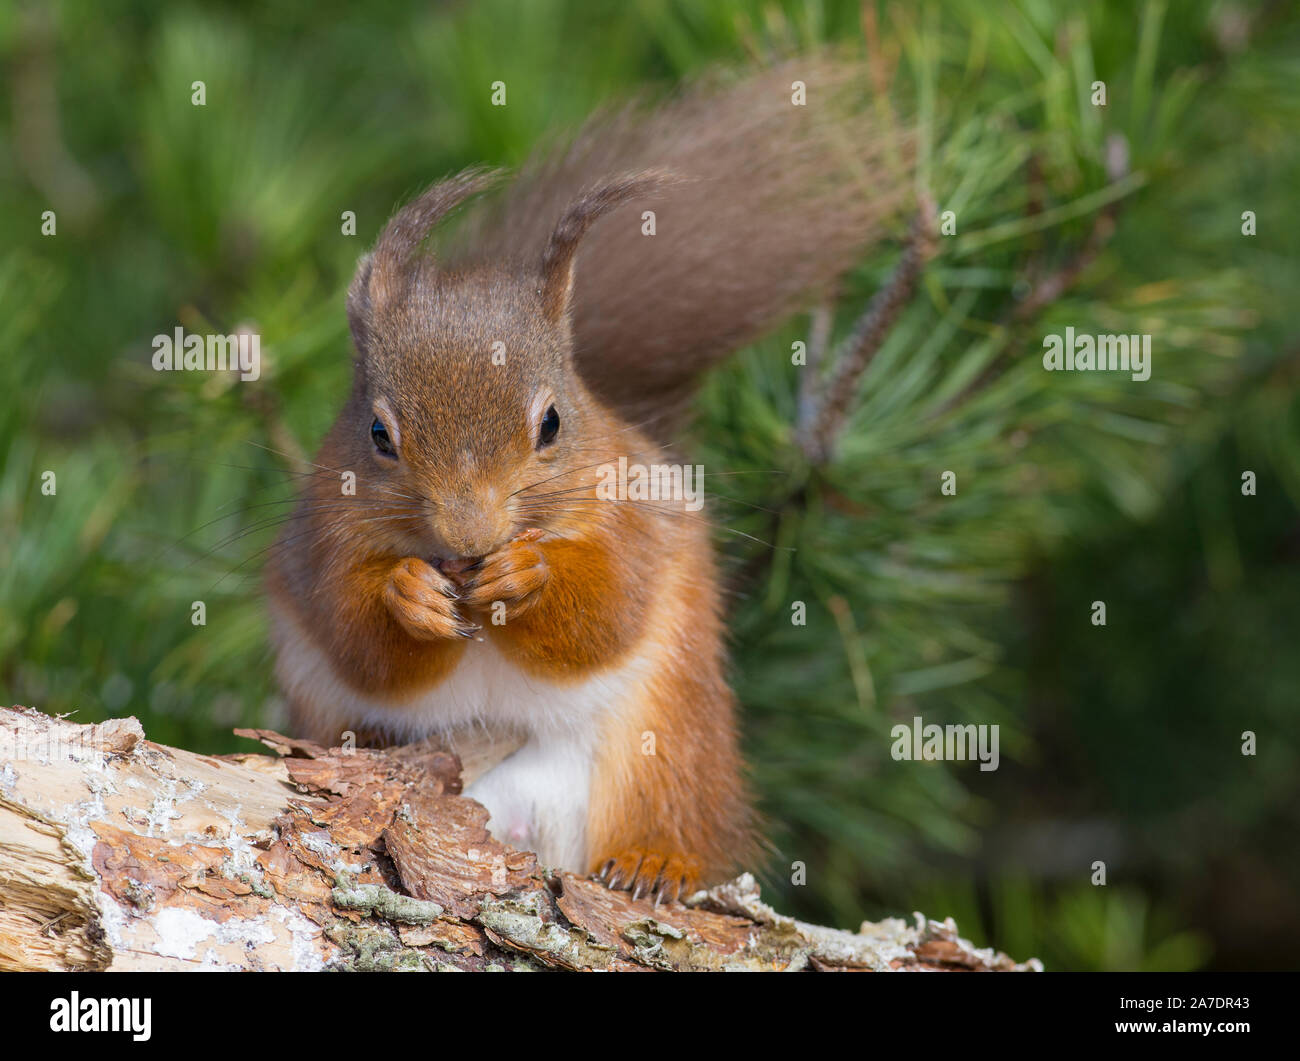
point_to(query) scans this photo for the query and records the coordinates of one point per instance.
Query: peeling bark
(119, 853)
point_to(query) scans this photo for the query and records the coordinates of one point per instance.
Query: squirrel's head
(465, 398)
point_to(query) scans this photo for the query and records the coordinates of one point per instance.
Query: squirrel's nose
(468, 531)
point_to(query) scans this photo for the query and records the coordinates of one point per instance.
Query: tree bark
(119, 853)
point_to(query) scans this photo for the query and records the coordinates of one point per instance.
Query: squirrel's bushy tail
(776, 200)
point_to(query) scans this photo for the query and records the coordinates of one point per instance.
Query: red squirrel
(477, 575)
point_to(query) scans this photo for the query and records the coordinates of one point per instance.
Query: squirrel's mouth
(458, 565)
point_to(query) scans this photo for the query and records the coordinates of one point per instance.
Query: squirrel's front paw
(644, 871)
(423, 600)
(512, 575)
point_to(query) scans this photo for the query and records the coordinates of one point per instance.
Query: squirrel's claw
(646, 872)
(513, 575)
(422, 600)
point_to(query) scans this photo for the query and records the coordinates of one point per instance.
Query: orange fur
(669, 808)
(469, 519)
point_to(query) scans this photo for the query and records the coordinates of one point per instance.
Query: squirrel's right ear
(558, 258)
(359, 305)
(383, 276)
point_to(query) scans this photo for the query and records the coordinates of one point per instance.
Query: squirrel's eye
(549, 429)
(379, 436)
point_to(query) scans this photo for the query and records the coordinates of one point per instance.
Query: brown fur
(765, 203)
(773, 203)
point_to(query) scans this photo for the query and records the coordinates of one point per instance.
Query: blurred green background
(1119, 743)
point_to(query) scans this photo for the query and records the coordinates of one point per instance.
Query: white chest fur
(538, 797)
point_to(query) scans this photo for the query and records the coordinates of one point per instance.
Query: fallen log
(118, 853)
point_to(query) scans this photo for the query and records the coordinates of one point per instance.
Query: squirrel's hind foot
(644, 871)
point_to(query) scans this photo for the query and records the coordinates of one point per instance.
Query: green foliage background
(1119, 743)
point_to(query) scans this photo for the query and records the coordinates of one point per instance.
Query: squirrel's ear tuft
(397, 246)
(558, 258)
(359, 305)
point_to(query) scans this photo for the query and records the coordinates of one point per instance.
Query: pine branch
(828, 408)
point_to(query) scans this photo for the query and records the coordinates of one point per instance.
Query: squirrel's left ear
(359, 305)
(557, 260)
(384, 276)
